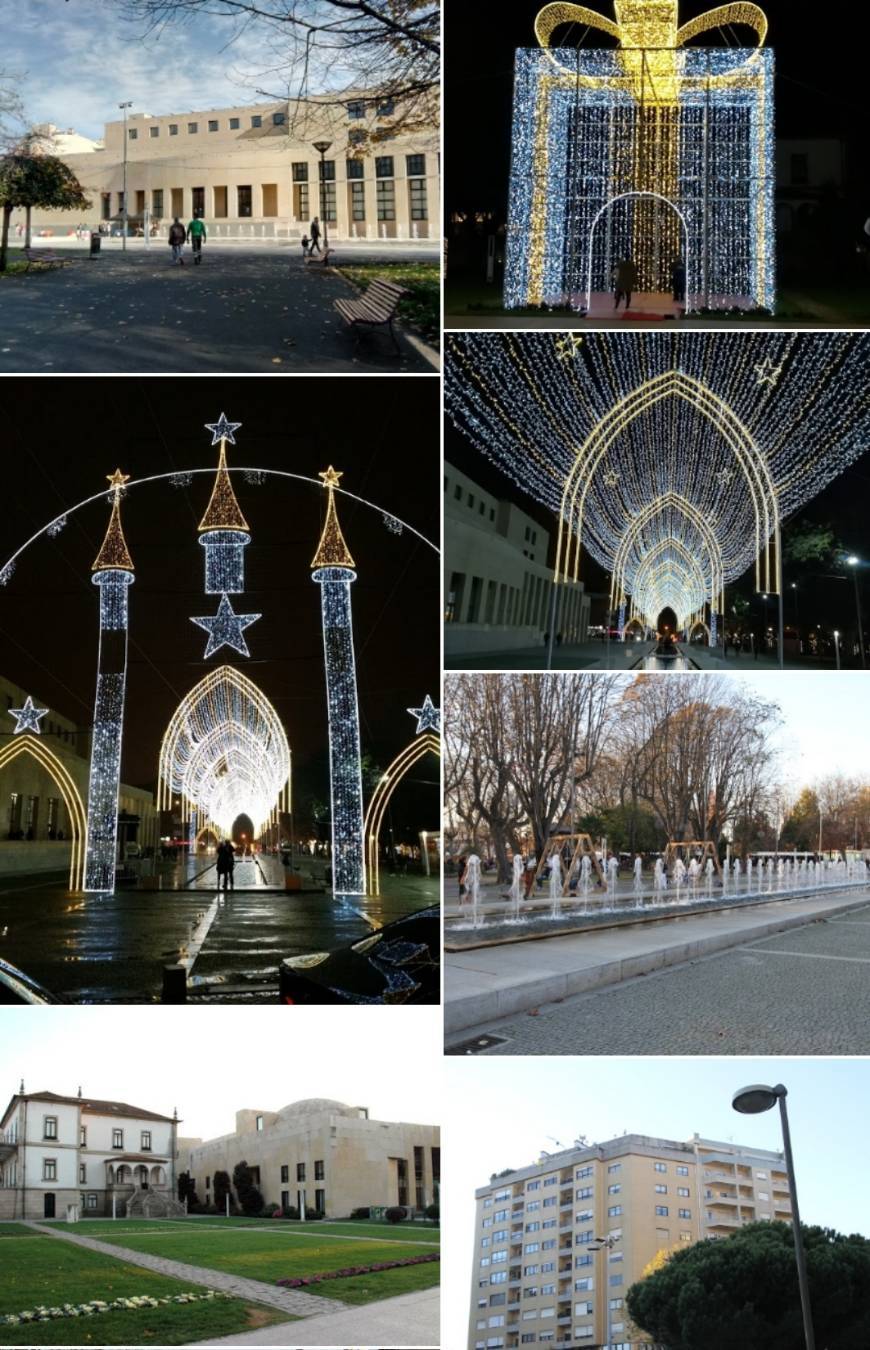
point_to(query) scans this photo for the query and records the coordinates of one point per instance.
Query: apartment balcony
(719, 1199)
(723, 1221)
(564, 1321)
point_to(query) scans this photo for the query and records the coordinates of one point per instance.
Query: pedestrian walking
(462, 864)
(177, 236)
(226, 861)
(678, 278)
(196, 237)
(315, 236)
(625, 280)
(306, 245)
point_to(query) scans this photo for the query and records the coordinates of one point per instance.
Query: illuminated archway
(389, 781)
(225, 753)
(33, 745)
(635, 543)
(749, 460)
(624, 197)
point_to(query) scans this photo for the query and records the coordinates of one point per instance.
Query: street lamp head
(852, 560)
(753, 1100)
(836, 632)
(322, 146)
(126, 105)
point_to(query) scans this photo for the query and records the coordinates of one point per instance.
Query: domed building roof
(313, 1106)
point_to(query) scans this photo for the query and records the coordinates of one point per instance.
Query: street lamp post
(125, 213)
(837, 646)
(751, 1101)
(321, 147)
(605, 1244)
(855, 563)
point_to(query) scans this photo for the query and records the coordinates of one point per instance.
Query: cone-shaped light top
(332, 551)
(114, 554)
(223, 511)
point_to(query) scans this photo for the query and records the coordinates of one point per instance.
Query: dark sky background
(62, 436)
(821, 77)
(842, 505)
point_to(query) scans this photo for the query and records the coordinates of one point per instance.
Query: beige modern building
(542, 1275)
(324, 1155)
(497, 585)
(60, 1154)
(37, 827)
(253, 172)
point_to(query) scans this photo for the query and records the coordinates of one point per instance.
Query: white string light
(28, 717)
(428, 717)
(662, 453)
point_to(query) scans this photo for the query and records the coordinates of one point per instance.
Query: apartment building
(325, 1155)
(497, 584)
(253, 171)
(86, 1155)
(559, 1244)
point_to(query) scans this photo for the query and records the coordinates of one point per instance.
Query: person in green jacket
(196, 237)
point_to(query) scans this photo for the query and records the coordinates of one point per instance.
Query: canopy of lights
(672, 458)
(651, 150)
(225, 753)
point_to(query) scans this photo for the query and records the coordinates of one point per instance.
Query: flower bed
(96, 1305)
(300, 1281)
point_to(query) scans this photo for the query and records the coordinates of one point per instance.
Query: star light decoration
(651, 119)
(28, 717)
(222, 430)
(767, 372)
(428, 717)
(568, 346)
(677, 416)
(226, 629)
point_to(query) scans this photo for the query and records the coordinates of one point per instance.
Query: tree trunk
(499, 845)
(4, 239)
(27, 228)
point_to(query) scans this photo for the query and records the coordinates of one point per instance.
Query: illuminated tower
(333, 571)
(223, 530)
(113, 573)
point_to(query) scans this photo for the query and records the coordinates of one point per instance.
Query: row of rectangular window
(50, 1131)
(385, 201)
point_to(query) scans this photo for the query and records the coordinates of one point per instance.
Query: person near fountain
(226, 861)
(531, 869)
(625, 281)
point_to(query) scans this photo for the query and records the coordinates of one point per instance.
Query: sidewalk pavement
(487, 983)
(622, 656)
(409, 1320)
(293, 1302)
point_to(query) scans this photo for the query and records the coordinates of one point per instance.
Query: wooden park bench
(42, 257)
(376, 307)
(322, 259)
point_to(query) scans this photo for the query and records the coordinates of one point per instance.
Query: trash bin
(95, 243)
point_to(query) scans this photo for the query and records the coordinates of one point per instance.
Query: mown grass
(271, 1255)
(423, 1233)
(52, 1272)
(421, 308)
(17, 1230)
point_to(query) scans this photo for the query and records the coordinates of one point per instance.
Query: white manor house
(254, 171)
(61, 1154)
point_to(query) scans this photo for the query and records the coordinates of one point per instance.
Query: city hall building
(253, 172)
(60, 1154)
(324, 1155)
(543, 1275)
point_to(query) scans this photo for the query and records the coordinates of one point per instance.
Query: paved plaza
(596, 655)
(95, 948)
(245, 309)
(801, 992)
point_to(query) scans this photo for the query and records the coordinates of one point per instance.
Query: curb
(474, 1010)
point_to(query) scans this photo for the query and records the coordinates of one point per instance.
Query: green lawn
(424, 1234)
(272, 1255)
(50, 1271)
(16, 1230)
(422, 307)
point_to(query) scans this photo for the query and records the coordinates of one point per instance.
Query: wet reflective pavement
(94, 948)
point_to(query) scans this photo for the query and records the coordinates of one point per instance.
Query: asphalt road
(802, 992)
(241, 310)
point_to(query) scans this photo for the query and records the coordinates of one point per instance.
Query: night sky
(821, 75)
(62, 436)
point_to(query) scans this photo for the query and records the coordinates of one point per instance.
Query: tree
(743, 1290)
(187, 1190)
(36, 180)
(250, 1198)
(378, 52)
(803, 542)
(222, 1190)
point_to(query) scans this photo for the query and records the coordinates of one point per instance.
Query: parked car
(18, 988)
(400, 963)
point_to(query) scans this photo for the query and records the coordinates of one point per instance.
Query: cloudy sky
(78, 59)
(211, 1062)
(520, 1107)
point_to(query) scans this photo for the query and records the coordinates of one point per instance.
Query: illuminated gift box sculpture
(651, 150)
